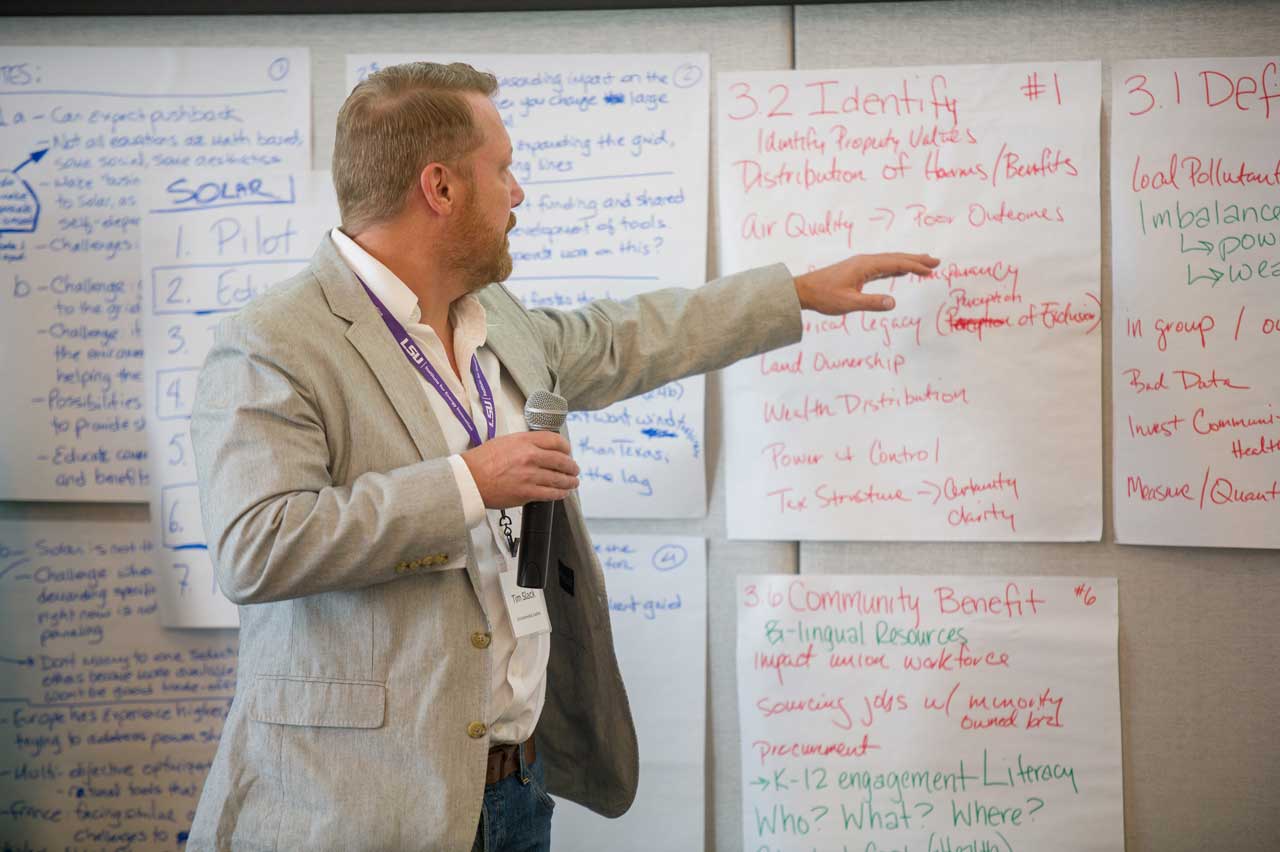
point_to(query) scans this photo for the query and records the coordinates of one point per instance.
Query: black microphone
(544, 412)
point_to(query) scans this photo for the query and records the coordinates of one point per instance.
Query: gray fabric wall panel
(1197, 670)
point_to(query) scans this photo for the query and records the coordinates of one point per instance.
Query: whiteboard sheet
(110, 721)
(84, 127)
(612, 154)
(1196, 268)
(202, 260)
(973, 410)
(929, 713)
(658, 605)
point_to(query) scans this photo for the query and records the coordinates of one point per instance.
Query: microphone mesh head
(545, 411)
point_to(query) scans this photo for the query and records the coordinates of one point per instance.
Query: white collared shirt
(519, 673)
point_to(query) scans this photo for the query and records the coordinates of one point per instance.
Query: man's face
(478, 241)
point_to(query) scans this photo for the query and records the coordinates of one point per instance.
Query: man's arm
(609, 351)
(276, 524)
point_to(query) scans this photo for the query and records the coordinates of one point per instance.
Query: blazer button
(481, 640)
(476, 730)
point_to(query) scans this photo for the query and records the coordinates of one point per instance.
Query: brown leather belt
(504, 760)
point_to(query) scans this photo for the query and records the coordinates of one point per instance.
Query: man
(362, 458)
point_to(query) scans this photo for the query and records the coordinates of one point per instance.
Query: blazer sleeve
(608, 351)
(276, 524)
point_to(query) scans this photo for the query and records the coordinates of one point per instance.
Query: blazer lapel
(526, 365)
(371, 338)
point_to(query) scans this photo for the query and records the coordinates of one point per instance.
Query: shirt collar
(394, 294)
(469, 317)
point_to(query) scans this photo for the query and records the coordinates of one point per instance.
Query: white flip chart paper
(931, 713)
(1195, 225)
(110, 720)
(83, 129)
(973, 410)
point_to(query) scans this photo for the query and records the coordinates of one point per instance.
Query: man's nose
(517, 194)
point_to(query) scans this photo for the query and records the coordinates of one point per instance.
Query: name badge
(525, 607)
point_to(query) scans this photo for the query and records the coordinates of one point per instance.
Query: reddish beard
(482, 256)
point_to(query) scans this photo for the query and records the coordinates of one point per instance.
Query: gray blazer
(334, 521)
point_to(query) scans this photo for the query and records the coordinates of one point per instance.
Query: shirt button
(476, 730)
(480, 640)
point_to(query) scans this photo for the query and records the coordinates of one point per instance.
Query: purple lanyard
(423, 366)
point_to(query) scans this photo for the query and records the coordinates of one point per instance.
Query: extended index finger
(890, 265)
(912, 260)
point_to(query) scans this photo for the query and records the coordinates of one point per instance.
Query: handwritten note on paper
(658, 606)
(1196, 235)
(80, 131)
(973, 410)
(929, 713)
(203, 259)
(108, 721)
(612, 153)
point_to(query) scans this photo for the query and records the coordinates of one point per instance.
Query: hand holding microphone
(528, 467)
(543, 412)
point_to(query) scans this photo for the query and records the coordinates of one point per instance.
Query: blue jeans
(516, 813)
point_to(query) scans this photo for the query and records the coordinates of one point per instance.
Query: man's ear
(439, 187)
